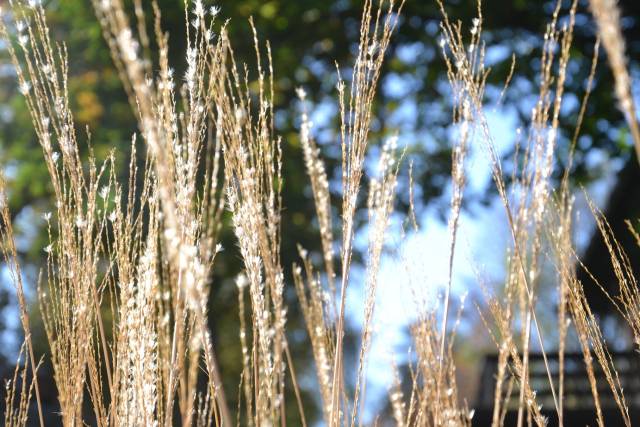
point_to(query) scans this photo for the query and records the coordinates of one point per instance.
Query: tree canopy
(307, 39)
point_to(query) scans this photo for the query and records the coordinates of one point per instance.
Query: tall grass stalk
(126, 287)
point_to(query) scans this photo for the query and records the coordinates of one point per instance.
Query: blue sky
(419, 261)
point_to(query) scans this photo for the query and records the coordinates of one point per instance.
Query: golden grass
(144, 256)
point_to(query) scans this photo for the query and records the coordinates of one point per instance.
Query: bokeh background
(308, 37)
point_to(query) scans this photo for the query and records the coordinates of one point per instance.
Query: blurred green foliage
(307, 38)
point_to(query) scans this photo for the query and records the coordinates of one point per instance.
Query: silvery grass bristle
(142, 254)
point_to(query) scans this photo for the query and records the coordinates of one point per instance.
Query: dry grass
(607, 16)
(143, 256)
